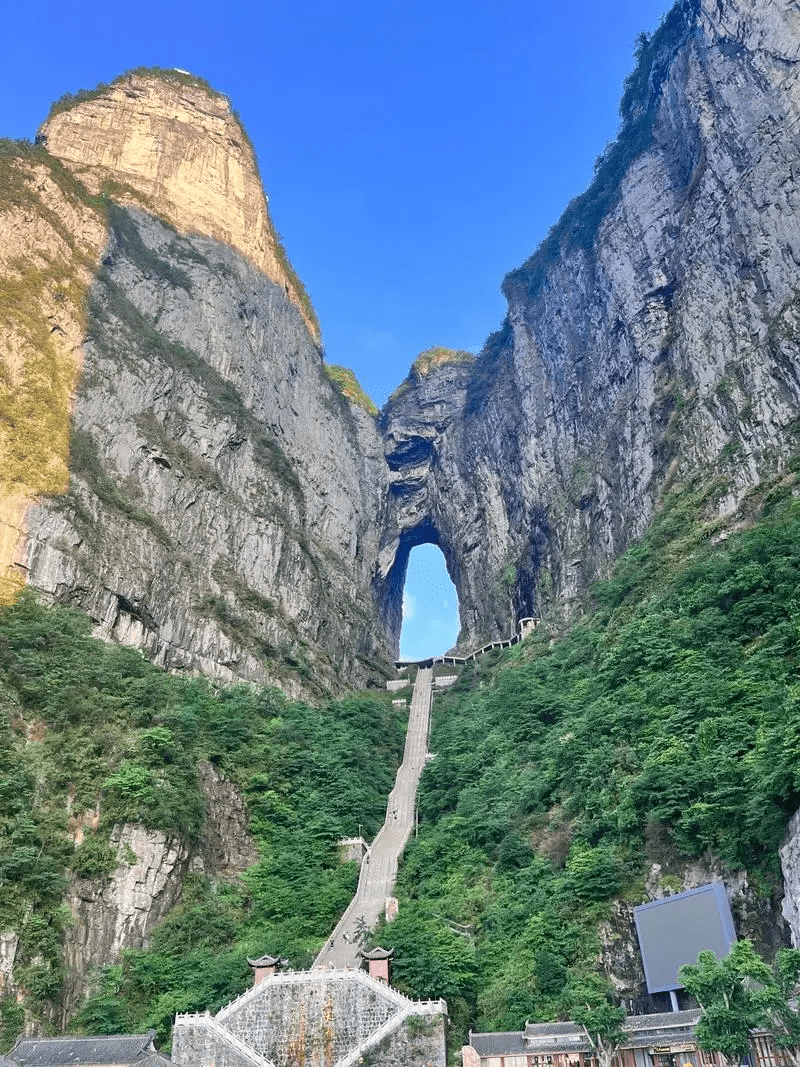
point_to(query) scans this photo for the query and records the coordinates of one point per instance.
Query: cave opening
(430, 605)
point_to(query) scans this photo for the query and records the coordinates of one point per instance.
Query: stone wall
(419, 1042)
(322, 1017)
(197, 1041)
(318, 1019)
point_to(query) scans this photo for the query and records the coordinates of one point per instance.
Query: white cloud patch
(409, 607)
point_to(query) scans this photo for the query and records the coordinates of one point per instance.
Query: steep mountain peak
(167, 141)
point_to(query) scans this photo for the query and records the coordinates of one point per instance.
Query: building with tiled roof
(662, 1040)
(115, 1050)
(665, 1039)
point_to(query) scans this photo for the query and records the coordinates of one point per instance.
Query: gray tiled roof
(672, 1020)
(377, 953)
(497, 1044)
(55, 1051)
(671, 1027)
(155, 1059)
(555, 1037)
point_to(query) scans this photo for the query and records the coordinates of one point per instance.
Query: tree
(782, 1012)
(592, 1009)
(742, 993)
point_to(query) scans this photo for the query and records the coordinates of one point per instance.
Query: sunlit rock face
(663, 348)
(171, 143)
(222, 507)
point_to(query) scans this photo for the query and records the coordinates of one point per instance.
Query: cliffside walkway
(379, 868)
(524, 627)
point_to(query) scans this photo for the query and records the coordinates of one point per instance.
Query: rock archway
(451, 484)
(391, 582)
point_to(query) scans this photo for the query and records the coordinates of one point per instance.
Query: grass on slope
(38, 371)
(665, 725)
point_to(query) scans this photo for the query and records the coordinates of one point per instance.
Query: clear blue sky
(413, 152)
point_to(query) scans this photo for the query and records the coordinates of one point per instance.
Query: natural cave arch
(391, 582)
(430, 606)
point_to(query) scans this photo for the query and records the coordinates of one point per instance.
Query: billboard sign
(674, 930)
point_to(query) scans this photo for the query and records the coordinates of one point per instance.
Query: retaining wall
(315, 1019)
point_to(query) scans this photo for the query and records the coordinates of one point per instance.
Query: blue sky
(413, 152)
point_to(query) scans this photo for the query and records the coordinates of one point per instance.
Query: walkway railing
(405, 1008)
(524, 628)
(379, 868)
(392, 1024)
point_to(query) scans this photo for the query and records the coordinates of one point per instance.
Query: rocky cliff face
(230, 511)
(221, 485)
(652, 338)
(223, 494)
(434, 497)
(790, 867)
(120, 911)
(113, 914)
(169, 142)
(52, 240)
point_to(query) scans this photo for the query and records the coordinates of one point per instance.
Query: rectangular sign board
(674, 930)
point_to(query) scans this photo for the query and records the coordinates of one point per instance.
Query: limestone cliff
(120, 911)
(221, 484)
(52, 236)
(232, 512)
(109, 915)
(224, 490)
(653, 337)
(168, 141)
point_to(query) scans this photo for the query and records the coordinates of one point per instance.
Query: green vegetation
(577, 227)
(743, 993)
(295, 283)
(86, 725)
(663, 726)
(601, 1020)
(37, 375)
(85, 461)
(437, 357)
(347, 384)
(166, 74)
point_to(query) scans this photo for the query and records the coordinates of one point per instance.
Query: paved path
(379, 869)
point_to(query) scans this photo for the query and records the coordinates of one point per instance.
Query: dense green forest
(665, 725)
(84, 723)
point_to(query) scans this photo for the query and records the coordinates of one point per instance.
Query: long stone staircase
(335, 1015)
(379, 869)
